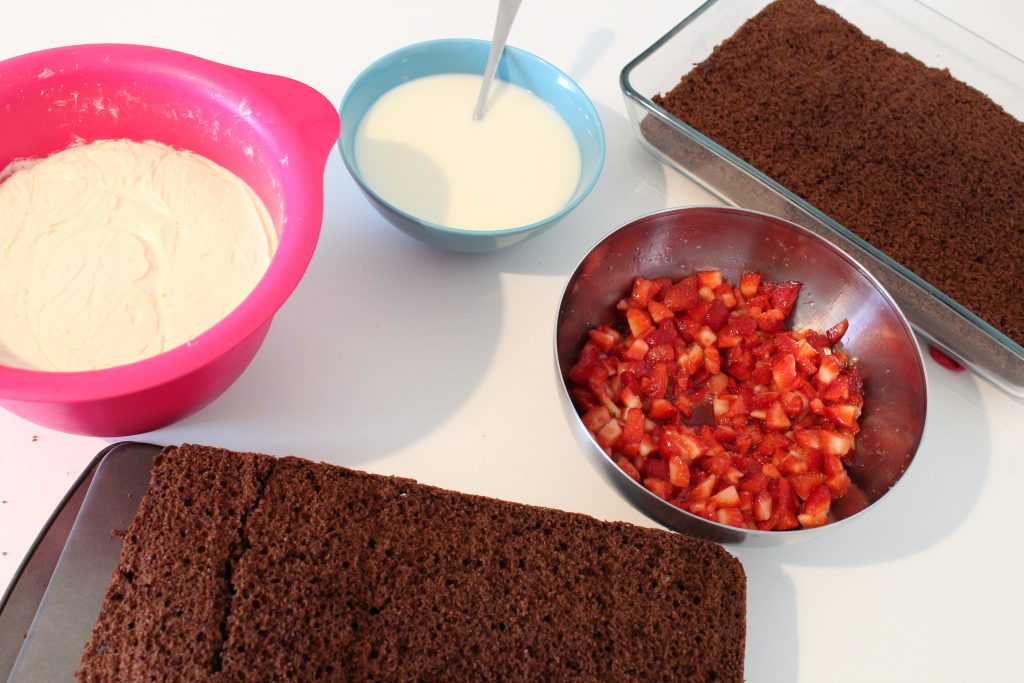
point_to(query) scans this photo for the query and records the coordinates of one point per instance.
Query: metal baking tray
(908, 26)
(48, 612)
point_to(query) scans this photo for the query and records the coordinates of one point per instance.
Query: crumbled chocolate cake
(334, 574)
(924, 167)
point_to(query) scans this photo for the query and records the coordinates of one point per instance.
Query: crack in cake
(240, 566)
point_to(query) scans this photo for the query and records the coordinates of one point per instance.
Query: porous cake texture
(304, 571)
(919, 164)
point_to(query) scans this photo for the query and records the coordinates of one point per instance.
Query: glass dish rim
(772, 184)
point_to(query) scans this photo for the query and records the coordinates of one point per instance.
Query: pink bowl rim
(302, 191)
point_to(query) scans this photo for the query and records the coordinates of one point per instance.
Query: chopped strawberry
(762, 506)
(678, 472)
(785, 404)
(681, 296)
(663, 410)
(750, 281)
(639, 321)
(628, 467)
(784, 373)
(729, 516)
(844, 415)
(776, 419)
(637, 350)
(836, 332)
(633, 428)
(709, 278)
(834, 443)
(783, 295)
(659, 311)
(659, 487)
(728, 497)
(608, 434)
(717, 315)
(604, 337)
(643, 290)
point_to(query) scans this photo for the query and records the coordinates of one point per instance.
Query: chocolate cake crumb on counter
(919, 164)
(240, 566)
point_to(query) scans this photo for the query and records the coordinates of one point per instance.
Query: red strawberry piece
(776, 419)
(838, 390)
(637, 350)
(784, 344)
(659, 311)
(629, 468)
(703, 488)
(589, 356)
(678, 472)
(681, 296)
(843, 414)
(818, 501)
(656, 384)
(698, 311)
(783, 295)
(663, 409)
(659, 487)
(661, 352)
(595, 418)
(654, 467)
(729, 516)
(754, 482)
(709, 278)
(810, 521)
(839, 484)
(804, 483)
(665, 333)
(608, 434)
(717, 315)
(728, 497)
(944, 360)
(725, 294)
(831, 465)
(771, 321)
(806, 367)
(761, 373)
(828, 370)
(786, 520)
(633, 428)
(604, 337)
(750, 280)
(793, 465)
(836, 332)
(639, 322)
(834, 443)
(814, 459)
(784, 373)
(762, 506)
(643, 291)
(816, 340)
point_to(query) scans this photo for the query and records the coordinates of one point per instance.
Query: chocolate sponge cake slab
(350, 576)
(165, 607)
(924, 167)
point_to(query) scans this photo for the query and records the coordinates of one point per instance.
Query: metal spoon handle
(503, 24)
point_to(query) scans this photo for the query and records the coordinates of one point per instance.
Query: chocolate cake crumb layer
(352, 576)
(164, 612)
(924, 167)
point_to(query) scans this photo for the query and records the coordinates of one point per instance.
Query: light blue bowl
(470, 56)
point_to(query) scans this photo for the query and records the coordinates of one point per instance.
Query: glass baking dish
(907, 26)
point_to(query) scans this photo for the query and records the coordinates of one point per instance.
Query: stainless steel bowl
(677, 242)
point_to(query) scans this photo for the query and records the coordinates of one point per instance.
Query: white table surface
(449, 378)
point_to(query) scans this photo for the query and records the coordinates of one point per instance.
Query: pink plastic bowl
(273, 132)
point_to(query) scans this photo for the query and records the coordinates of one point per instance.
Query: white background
(399, 359)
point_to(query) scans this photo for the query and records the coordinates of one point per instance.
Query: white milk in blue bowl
(419, 148)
